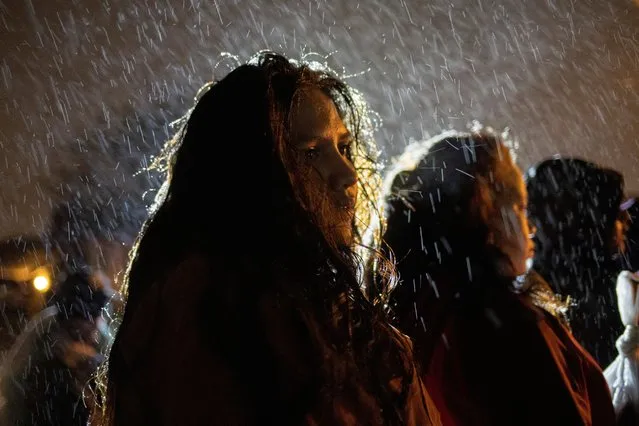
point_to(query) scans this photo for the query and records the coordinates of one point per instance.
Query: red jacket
(502, 361)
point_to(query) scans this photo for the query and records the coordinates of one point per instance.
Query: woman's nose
(344, 175)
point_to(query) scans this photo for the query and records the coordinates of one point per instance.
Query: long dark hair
(266, 240)
(574, 204)
(438, 199)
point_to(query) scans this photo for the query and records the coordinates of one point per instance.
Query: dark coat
(204, 386)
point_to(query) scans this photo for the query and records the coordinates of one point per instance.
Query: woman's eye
(311, 154)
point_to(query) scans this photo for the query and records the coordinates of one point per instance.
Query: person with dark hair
(457, 228)
(630, 259)
(253, 314)
(45, 379)
(576, 207)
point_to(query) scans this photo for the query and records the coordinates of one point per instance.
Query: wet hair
(265, 236)
(439, 197)
(574, 204)
(440, 192)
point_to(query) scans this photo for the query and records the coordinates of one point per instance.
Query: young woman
(458, 230)
(252, 313)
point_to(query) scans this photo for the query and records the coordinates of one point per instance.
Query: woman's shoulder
(166, 330)
(497, 310)
(186, 281)
(166, 302)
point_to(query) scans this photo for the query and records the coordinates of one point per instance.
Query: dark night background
(87, 87)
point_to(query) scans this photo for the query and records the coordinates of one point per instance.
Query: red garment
(502, 361)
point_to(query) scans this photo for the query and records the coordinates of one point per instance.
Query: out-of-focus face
(324, 173)
(622, 223)
(512, 233)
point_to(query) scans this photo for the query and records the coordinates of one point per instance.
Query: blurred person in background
(25, 279)
(623, 374)
(45, 379)
(630, 259)
(581, 219)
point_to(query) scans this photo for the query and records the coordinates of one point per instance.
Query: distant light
(41, 283)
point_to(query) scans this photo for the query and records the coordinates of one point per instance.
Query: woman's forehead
(313, 112)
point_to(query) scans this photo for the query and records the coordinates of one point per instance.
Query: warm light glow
(41, 283)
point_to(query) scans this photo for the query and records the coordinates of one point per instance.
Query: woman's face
(511, 232)
(323, 172)
(622, 223)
